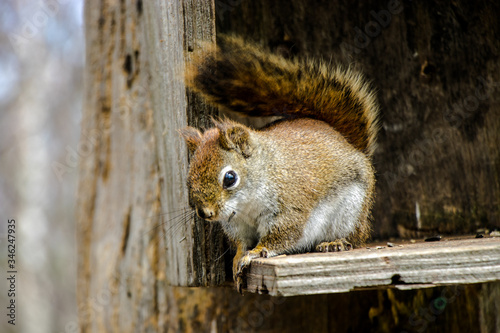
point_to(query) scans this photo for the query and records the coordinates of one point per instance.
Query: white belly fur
(334, 217)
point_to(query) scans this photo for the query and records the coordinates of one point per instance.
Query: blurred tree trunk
(131, 188)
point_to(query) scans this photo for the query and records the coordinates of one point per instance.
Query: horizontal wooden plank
(410, 266)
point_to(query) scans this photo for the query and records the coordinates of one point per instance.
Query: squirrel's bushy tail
(245, 78)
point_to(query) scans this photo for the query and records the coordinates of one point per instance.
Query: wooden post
(135, 235)
(175, 31)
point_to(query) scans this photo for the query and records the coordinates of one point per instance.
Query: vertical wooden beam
(132, 181)
(489, 307)
(121, 278)
(175, 30)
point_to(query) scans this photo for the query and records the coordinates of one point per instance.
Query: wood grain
(412, 266)
(435, 68)
(175, 31)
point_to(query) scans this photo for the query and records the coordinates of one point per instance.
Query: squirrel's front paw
(336, 246)
(242, 265)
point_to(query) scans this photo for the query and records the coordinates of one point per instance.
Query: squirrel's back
(245, 78)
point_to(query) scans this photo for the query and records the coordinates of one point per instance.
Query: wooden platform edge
(411, 266)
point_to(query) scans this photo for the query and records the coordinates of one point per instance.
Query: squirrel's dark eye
(230, 179)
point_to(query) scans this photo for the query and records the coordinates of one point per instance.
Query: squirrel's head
(218, 168)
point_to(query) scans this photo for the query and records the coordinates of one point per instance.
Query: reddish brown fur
(245, 78)
(289, 169)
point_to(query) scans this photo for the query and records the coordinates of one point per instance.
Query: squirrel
(303, 183)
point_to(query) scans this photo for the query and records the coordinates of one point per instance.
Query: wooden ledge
(412, 266)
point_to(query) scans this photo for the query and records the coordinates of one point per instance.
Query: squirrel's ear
(192, 137)
(235, 136)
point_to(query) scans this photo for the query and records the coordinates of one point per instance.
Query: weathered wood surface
(176, 30)
(436, 70)
(412, 266)
(121, 265)
(132, 180)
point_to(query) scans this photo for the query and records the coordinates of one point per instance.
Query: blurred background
(41, 81)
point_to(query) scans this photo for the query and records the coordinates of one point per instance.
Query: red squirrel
(303, 183)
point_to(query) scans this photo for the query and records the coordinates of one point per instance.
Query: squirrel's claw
(240, 285)
(243, 265)
(336, 246)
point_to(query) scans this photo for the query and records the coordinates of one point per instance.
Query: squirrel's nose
(205, 212)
